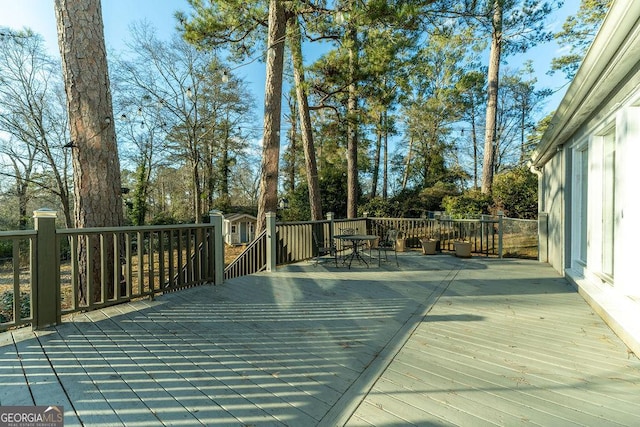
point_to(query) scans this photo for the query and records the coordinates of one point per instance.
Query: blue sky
(119, 14)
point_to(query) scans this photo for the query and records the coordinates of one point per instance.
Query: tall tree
(34, 118)
(520, 101)
(493, 76)
(191, 104)
(311, 168)
(434, 105)
(219, 24)
(515, 26)
(97, 182)
(352, 46)
(268, 198)
(471, 88)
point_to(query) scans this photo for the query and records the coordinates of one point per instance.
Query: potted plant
(401, 243)
(430, 245)
(462, 248)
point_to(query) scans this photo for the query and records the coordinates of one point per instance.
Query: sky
(118, 15)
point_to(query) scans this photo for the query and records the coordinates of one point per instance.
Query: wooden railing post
(217, 261)
(500, 232)
(46, 292)
(543, 236)
(271, 241)
(330, 216)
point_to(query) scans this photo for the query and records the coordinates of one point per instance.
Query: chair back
(347, 231)
(391, 237)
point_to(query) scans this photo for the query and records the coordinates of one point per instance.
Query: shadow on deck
(437, 341)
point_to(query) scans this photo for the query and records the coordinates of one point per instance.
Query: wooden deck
(437, 341)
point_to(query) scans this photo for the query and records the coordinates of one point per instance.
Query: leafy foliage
(421, 82)
(516, 193)
(468, 204)
(577, 33)
(6, 306)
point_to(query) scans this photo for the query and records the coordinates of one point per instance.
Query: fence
(520, 238)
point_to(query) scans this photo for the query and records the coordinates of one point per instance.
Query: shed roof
(238, 216)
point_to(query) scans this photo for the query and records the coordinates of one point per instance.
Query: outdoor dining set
(349, 246)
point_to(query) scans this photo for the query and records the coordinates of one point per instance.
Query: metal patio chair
(323, 250)
(388, 244)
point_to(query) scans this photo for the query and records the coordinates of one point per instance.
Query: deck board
(436, 341)
(515, 350)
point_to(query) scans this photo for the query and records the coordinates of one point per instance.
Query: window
(234, 229)
(608, 201)
(583, 183)
(580, 202)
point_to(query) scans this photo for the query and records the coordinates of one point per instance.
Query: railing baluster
(17, 295)
(151, 258)
(161, 255)
(75, 281)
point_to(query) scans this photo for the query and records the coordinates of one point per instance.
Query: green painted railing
(137, 262)
(54, 272)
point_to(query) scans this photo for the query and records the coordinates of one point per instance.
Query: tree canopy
(392, 107)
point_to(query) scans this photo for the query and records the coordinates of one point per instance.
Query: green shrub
(6, 248)
(515, 192)
(6, 306)
(470, 203)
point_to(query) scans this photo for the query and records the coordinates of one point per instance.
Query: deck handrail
(156, 259)
(251, 260)
(73, 270)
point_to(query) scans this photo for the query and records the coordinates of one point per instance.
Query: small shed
(239, 228)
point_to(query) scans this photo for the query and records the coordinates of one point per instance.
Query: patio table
(355, 240)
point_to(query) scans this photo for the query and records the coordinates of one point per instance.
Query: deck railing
(137, 262)
(17, 278)
(484, 233)
(140, 262)
(252, 260)
(53, 272)
(294, 241)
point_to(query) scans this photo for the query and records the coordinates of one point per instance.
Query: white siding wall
(601, 112)
(628, 202)
(553, 205)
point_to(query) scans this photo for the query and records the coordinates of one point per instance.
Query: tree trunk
(385, 162)
(376, 157)
(352, 124)
(268, 197)
(97, 187)
(523, 125)
(405, 175)
(492, 99)
(226, 161)
(315, 202)
(474, 141)
(293, 145)
(208, 170)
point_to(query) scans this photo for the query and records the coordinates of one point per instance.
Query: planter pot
(429, 246)
(463, 249)
(373, 243)
(401, 245)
